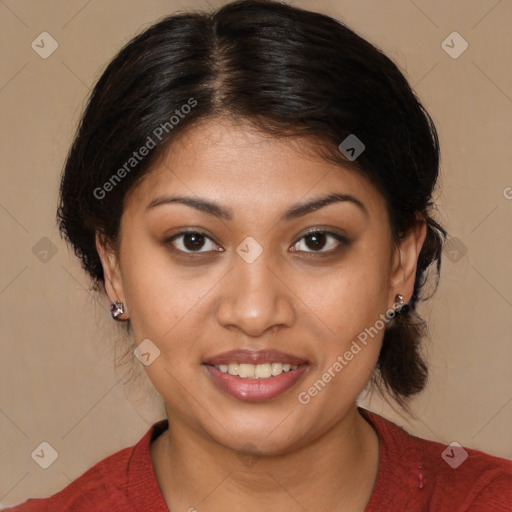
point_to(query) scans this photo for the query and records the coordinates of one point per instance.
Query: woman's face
(248, 277)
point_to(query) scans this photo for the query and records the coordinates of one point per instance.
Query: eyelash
(343, 242)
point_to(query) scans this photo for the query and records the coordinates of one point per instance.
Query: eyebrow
(295, 211)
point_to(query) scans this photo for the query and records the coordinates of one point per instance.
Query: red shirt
(413, 476)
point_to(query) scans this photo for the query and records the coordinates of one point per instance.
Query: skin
(318, 456)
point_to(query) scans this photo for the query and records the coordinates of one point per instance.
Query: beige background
(57, 381)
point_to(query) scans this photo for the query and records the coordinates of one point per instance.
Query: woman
(253, 191)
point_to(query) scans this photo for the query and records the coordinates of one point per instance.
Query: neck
(336, 471)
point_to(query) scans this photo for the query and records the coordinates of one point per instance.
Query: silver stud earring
(117, 309)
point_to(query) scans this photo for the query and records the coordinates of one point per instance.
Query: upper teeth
(256, 371)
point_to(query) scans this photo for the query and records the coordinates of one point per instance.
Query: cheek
(158, 296)
(351, 303)
(169, 303)
(350, 347)
(354, 295)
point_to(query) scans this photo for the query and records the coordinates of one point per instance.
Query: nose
(256, 298)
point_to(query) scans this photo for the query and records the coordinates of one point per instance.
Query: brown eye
(192, 241)
(317, 241)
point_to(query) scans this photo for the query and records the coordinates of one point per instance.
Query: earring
(399, 302)
(117, 309)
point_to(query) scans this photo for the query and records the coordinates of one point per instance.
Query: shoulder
(436, 475)
(109, 485)
(471, 479)
(91, 491)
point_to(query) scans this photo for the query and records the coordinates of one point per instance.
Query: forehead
(231, 161)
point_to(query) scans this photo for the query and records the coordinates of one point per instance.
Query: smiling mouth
(251, 388)
(256, 371)
(255, 376)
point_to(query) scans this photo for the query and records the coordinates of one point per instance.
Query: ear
(111, 270)
(405, 262)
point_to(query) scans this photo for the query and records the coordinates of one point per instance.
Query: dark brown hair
(289, 71)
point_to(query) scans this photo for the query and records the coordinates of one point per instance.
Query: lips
(244, 356)
(256, 389)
